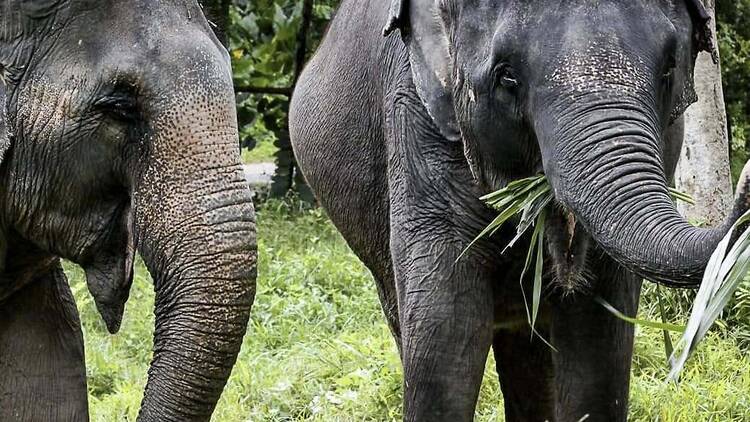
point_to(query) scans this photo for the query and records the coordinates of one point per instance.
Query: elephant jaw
(109, 275)
(110, 287)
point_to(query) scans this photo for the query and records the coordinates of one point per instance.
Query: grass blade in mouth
(537, 294)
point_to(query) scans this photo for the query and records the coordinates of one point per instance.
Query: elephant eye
(670, 66)
(505, 77)
(120, 107)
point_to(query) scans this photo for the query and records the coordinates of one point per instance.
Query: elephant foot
(42, 368)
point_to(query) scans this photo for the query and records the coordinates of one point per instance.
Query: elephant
(411, 110)
(118, 135)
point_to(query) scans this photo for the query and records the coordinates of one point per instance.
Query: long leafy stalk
(530, 198)
(724, 274)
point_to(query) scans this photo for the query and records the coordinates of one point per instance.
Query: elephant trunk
(195, 229)
(204, 274)
(606, 167)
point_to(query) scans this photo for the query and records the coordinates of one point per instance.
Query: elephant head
(584, 91)
(118, 134)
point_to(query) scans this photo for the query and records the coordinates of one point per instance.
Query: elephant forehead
(596, 69)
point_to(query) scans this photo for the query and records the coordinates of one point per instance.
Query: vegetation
(262, 36)
(733, 18)
(318, 348)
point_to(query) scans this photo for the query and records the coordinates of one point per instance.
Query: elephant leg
(446, 313)
(524, 366)
(42, 368)
(388, 301)
(595, 348)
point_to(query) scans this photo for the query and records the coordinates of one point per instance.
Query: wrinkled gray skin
(399, 136)
(118, 134)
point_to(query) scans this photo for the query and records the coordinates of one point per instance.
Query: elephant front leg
(595, 348)
(446, 311)
(42, 368)
(526, 372)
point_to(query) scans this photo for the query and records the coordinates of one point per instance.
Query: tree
(733, 19)
(269, 43)
(703, 170)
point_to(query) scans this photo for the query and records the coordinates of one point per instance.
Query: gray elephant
(399, 135)
(118, 134)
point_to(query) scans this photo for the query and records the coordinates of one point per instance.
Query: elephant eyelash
(120, 107)
(505, 77)
(670, 67)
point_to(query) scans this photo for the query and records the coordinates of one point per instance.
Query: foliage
(724, 274)
(733, 19)
(530, 200)
(318, 348)
(263, 152)
(527, 198)
(262, 36)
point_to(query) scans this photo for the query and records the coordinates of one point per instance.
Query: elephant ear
(430, 57)
(704, 40)
(4, 146)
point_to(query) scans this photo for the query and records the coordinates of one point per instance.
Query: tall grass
(318, 348)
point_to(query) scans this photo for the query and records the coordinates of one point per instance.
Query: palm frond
(530, 198)
(724, 274)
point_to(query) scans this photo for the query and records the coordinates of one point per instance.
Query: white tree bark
(703, 170)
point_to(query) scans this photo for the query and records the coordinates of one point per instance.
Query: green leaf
(526, 266)
(636, 321)
(724, 274)
(537, 294)
(668, 346)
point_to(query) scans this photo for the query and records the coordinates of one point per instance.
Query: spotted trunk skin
(195, 239)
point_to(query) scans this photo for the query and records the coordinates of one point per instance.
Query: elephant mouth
(568, 245)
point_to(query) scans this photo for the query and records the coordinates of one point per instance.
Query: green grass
(318, 348)
(264, 152)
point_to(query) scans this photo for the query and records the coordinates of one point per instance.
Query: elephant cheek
(109, 275)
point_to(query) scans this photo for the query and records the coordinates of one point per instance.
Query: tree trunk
(288, 175)
(703, 170)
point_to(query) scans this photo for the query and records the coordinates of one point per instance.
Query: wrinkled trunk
(204, 272)
(606, 167)
(196, 232)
